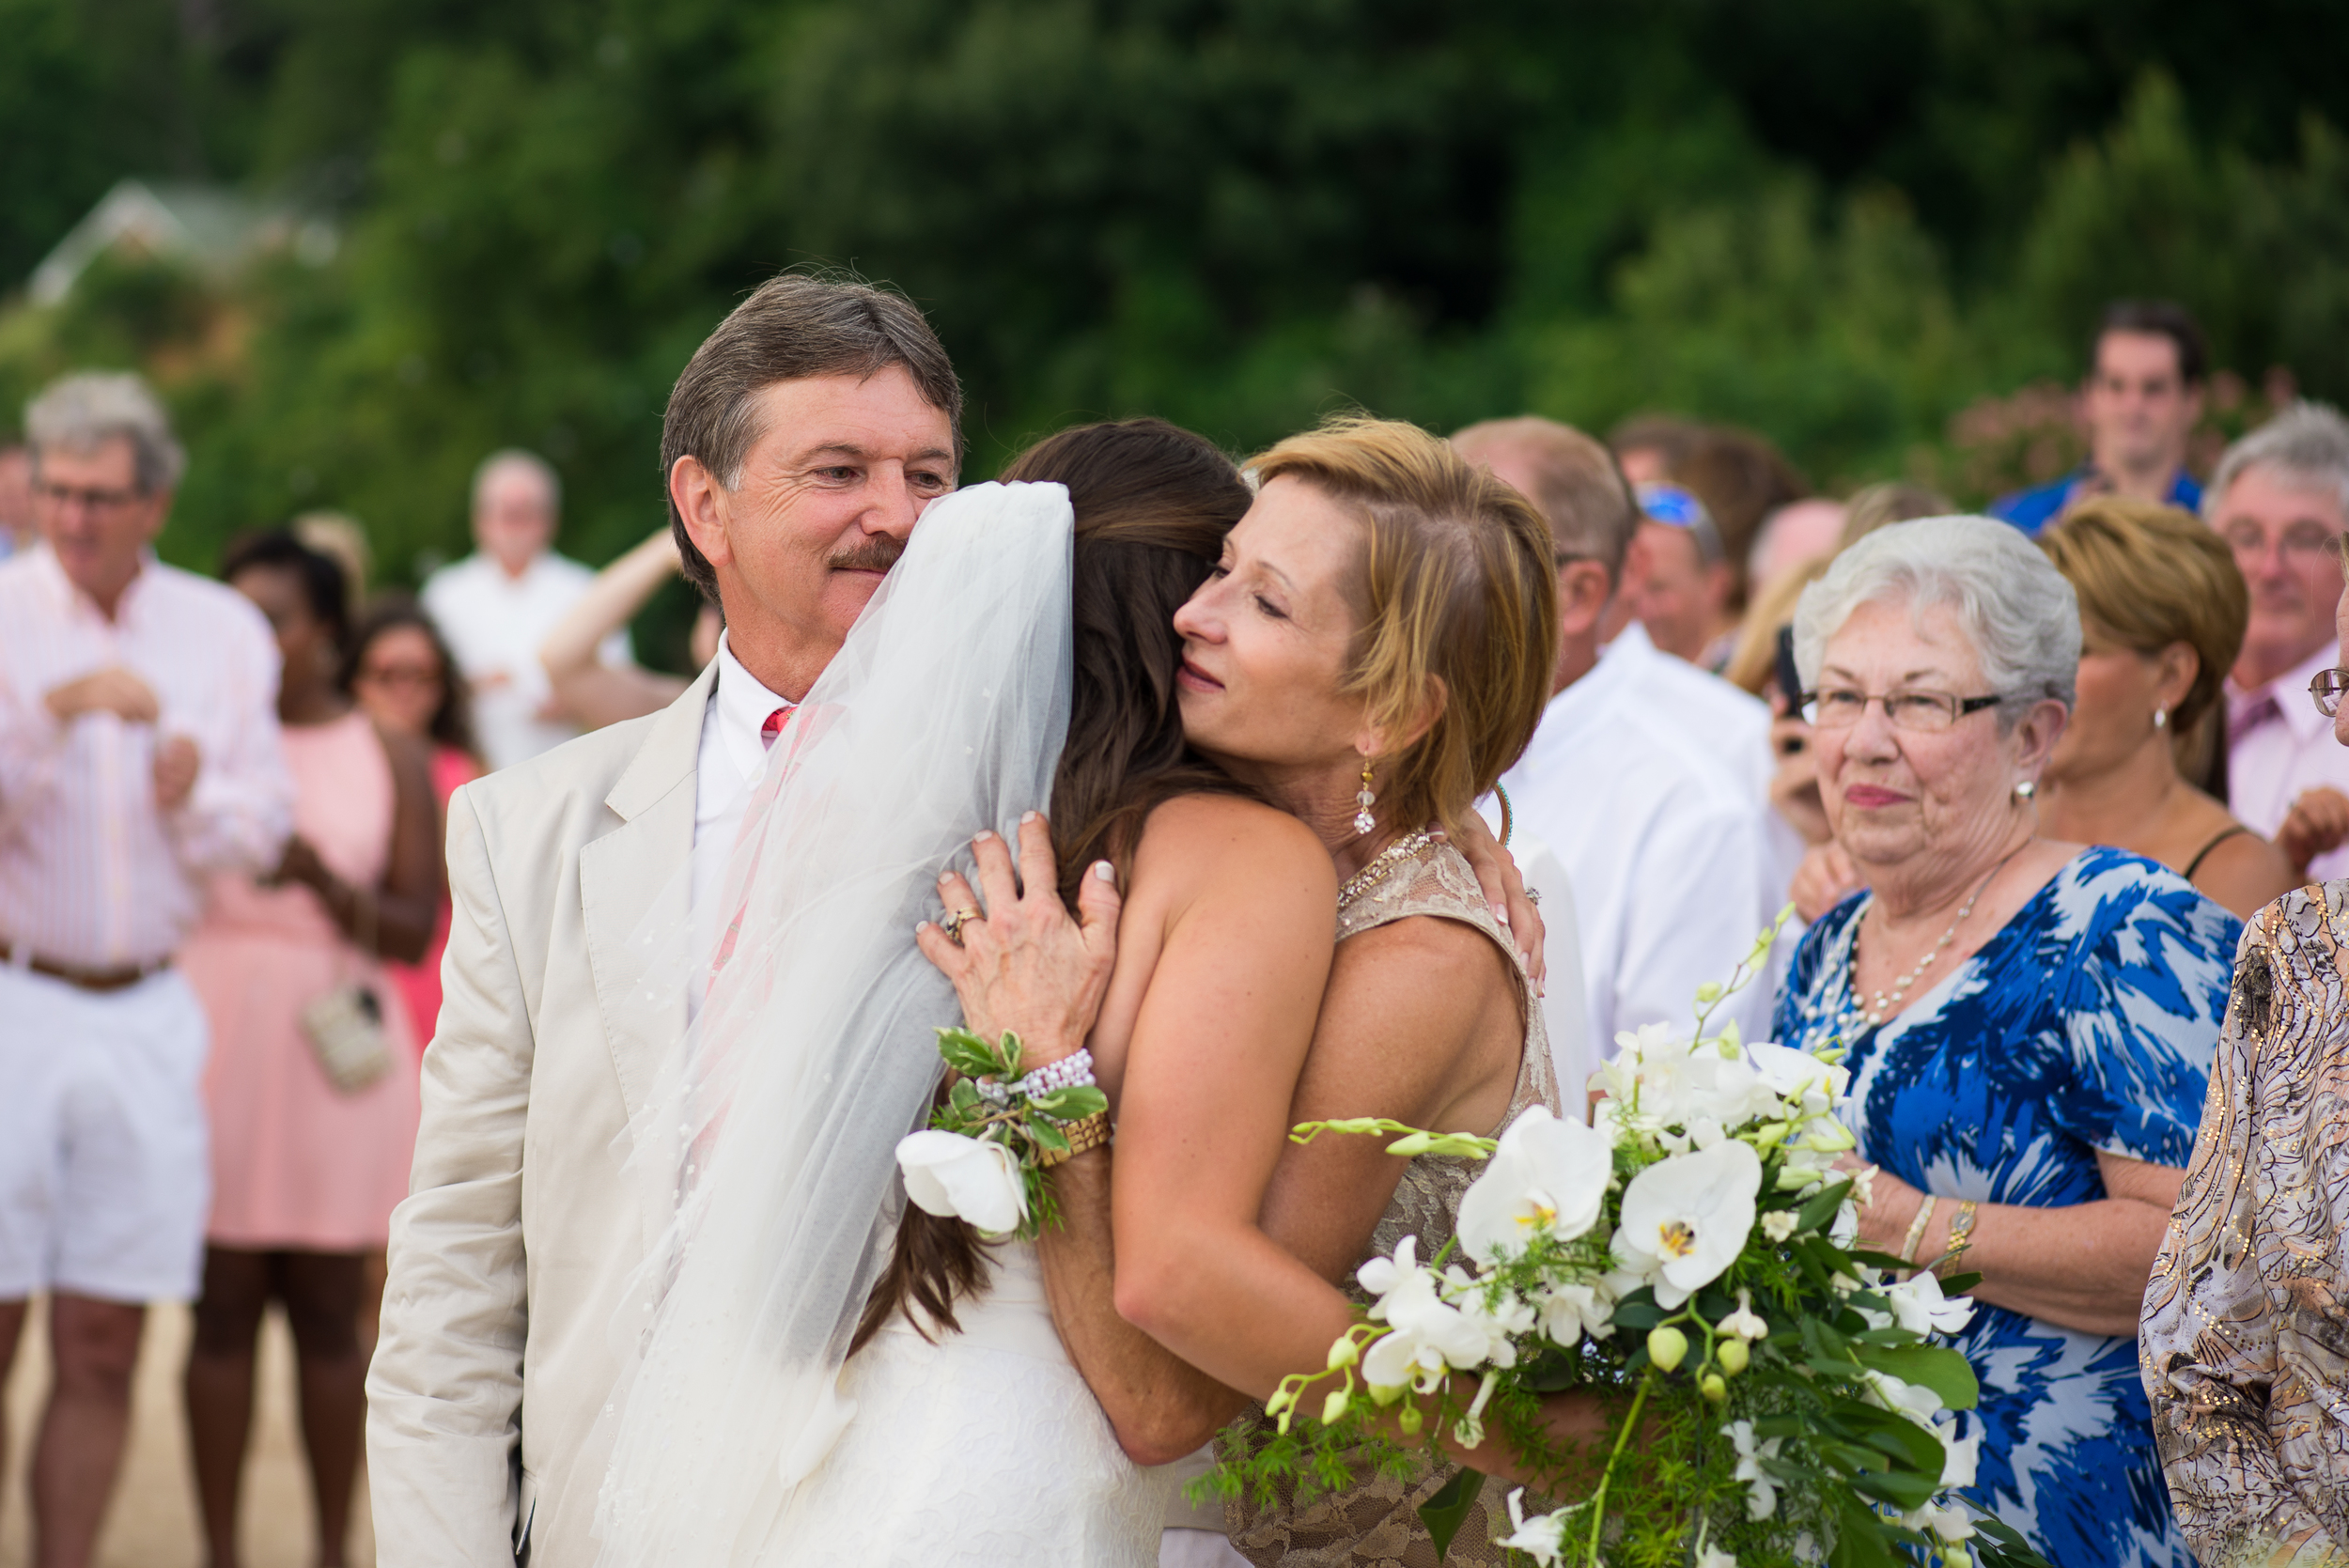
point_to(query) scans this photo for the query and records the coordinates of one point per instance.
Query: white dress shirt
(733, 758)
(494, 625)
(1661, 840)
(1732, 725)
(92, 872)
(2278, 745)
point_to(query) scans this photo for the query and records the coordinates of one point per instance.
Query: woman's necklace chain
(1886, 1003)
(1401, 850)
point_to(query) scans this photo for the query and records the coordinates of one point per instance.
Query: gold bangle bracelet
(1916, 1229)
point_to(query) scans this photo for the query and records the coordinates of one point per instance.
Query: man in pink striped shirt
(138, 752)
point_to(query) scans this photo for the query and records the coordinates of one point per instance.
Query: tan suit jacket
(522, 1222)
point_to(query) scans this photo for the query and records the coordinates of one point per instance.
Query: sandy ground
(152, 1523)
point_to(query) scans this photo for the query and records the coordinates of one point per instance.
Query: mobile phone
(1789, 678)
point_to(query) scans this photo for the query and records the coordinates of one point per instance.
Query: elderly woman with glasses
(2246, 1341)
(2030, 1024)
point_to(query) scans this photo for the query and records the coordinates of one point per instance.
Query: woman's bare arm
(586, 690)
(2083, 1265)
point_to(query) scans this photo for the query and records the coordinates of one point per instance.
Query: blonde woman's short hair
(2147, 576)
(1457, 598)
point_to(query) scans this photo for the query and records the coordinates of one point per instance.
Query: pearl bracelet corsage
(985, 1156)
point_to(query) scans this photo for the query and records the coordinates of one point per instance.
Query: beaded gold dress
(1375, 1522)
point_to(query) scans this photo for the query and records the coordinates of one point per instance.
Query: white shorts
(106, 1176)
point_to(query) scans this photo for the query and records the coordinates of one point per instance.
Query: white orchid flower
(1676, 1082)
(957, 1177)
(1543, 1537)
(1809, 1086)
(1685, 1218)
(1913, 1399)
(1547, 1177)
(1761, 1486)
(1947, 1521)
(1499, 1315)
(1429, 1333)
(1742, 1322)
(1713, 1557)
(1779, 1224)
(1919, 1306)
(1959, 1456)
(1568, 1311)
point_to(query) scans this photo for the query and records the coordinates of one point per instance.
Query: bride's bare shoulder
(1200, 843)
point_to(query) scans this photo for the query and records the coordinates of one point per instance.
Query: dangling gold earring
(1365, 798)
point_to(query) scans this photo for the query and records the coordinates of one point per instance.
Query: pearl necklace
(1883, 1004)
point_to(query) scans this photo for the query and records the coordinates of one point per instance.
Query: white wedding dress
(742, 1434)
(982, 1449)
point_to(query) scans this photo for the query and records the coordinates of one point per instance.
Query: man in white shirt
(138, 754)
(802, 442)
(497, 605)
(1638, 778)
(2281, 500)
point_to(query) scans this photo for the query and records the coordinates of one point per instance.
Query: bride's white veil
(812, 1053)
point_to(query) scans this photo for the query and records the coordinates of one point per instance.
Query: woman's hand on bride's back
(1021, 963)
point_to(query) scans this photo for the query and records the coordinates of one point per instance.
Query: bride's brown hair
(1153, 503)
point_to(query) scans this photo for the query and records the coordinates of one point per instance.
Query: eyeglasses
(1917, 713)
(96, 501)
(2302, 541)
(2326, 689)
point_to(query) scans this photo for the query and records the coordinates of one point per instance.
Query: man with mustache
(801, 444)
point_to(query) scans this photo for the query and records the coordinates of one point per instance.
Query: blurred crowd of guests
(223, 905)
(221, 914)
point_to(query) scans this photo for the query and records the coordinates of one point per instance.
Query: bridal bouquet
(1691, 1254)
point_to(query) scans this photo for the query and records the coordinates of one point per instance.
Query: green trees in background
(1841, 222)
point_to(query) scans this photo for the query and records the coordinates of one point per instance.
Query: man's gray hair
(792, 328)
(530, 463)
(1578, 485)
(2305, 447)
(81, 413)
(2018, 613)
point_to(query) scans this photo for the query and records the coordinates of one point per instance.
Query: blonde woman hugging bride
(1256, 718)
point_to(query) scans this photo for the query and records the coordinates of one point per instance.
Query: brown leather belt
(80, 976)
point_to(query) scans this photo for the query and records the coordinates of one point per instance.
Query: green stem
(1598, 1499)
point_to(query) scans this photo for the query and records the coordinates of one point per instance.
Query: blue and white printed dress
(2089, 1022)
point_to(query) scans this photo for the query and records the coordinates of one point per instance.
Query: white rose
(964, 1178)
(1547, 1177)
(1685, 1218)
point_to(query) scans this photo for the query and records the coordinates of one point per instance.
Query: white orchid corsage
(985, 1158)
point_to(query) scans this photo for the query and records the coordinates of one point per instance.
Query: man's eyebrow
(850, 449)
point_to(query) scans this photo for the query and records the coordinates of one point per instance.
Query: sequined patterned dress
(2245, 1347)
(1375, 1523)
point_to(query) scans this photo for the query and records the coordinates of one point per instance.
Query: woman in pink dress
(304, 1175)
(401, 675)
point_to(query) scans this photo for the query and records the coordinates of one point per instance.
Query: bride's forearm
(1160, 1407)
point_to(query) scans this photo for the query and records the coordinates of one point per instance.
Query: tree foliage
(1841, 222)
